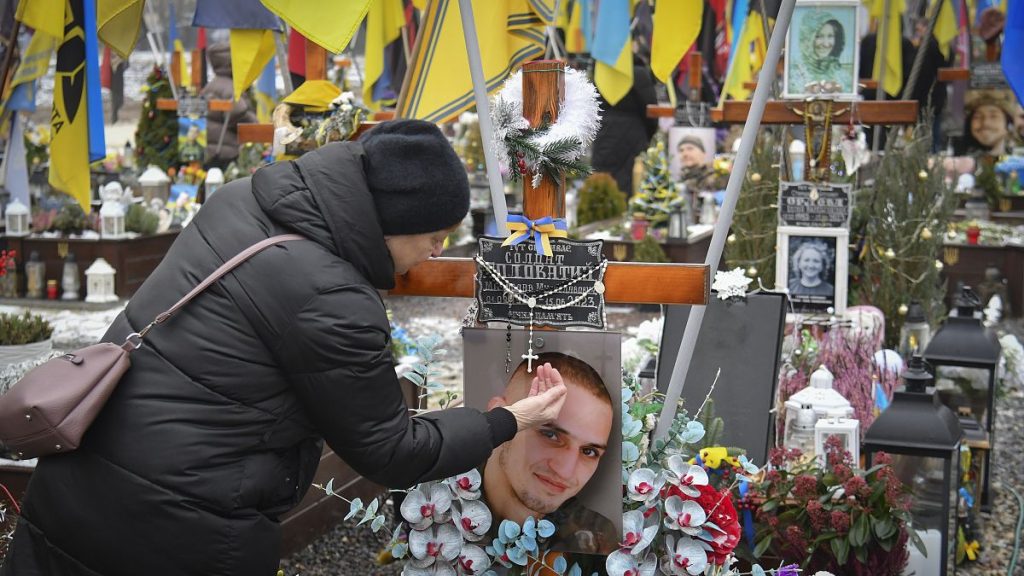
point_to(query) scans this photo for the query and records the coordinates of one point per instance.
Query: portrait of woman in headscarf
(820, 60)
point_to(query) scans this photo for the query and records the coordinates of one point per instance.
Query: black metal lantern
(965, 344)
(923, 438)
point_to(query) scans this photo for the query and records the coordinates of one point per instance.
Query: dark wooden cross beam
(868, 112)
(625, 282)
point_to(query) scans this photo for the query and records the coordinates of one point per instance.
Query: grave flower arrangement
(835, 518)
(680, 507)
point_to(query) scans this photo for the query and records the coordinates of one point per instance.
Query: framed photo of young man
(569, 471)
(812, 266)
(822, 52)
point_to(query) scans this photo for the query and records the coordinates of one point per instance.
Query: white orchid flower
(685, 515)
(686, 557)
(635, 537)
(620, 563)
(686, 475)
(473, 521)
(439, 543)
(644, 485)
(421, 510)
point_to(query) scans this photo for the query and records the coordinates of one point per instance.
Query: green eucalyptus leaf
(330, 487)
(377, 524)
(415, 378)
(353, 508)
(762, 546)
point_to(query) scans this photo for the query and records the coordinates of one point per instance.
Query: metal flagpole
(881, 44)
(732, 194)
(483, 109)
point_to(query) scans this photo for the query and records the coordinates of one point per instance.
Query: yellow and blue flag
(118, 23)
(676, 26)
(509, 33)
(184, 71)
(251, 50)
(945, 27)
(266, 93)
(612, 50)
(331, 28)
(1013, 48)
(70, 122)
(752, 47)
(34, 64)
(383, 26)
(891, 62)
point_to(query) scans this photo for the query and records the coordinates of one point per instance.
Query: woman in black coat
(217, 427)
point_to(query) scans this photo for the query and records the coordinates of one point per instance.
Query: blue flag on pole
(16, 178)
(93, 99)
(587, 22)
(612, 30)
(237, 14)
(1013, 47)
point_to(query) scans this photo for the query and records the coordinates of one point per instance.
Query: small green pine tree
(156, 138)
(902, 222)
(751, 244)
(658, 194)
(648, 250)
(600, 199)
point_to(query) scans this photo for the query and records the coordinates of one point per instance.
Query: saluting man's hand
(544, 402)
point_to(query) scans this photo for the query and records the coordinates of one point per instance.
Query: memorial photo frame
(823, 50)
(812, 264)
(484, 363)
(698, 141)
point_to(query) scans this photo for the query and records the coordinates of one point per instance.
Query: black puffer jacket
(216, 429)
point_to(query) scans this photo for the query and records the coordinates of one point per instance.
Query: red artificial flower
(720, 511)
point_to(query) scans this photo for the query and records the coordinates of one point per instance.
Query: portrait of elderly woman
(989, 123)
(811, 269)
(820, 52)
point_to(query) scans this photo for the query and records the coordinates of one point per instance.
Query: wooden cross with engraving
(196, 73)
(625, 282)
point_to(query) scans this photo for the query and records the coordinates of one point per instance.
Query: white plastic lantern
(847, 429)
(214, 180)
(99, 282)
(155, 184)
(809, 405)
(112, 216)
(16, 217)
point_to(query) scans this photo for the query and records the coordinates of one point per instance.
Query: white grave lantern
(847, 429)
(214, 180)
(17, 217)
(112, 216)
(809, 405)
(155, 184)
(99, 282)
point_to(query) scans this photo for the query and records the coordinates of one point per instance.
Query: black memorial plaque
(535, 275)
(812, 204)
(193, 106)
(987, 75)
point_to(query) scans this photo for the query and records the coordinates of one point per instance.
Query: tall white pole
(483, 108)
(732, 194)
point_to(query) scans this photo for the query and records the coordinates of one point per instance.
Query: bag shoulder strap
(134, 340)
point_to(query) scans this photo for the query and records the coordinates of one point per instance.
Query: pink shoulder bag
(52, 406)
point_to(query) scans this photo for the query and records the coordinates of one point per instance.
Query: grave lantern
(69, 282)
(677, 220)
(214, 180)
(965, 351)
(915, 333)
(804, 409)
(16, 217)
(99, 282)
(922, 437)
(112, 217)
(155, 184)
(847, 429)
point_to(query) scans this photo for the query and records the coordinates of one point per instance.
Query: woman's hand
(543, 403)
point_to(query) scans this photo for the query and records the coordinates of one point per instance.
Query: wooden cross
(625, 282)
(868, 112)
(197, 78)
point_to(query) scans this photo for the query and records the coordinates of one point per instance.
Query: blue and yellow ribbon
(541, 230)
